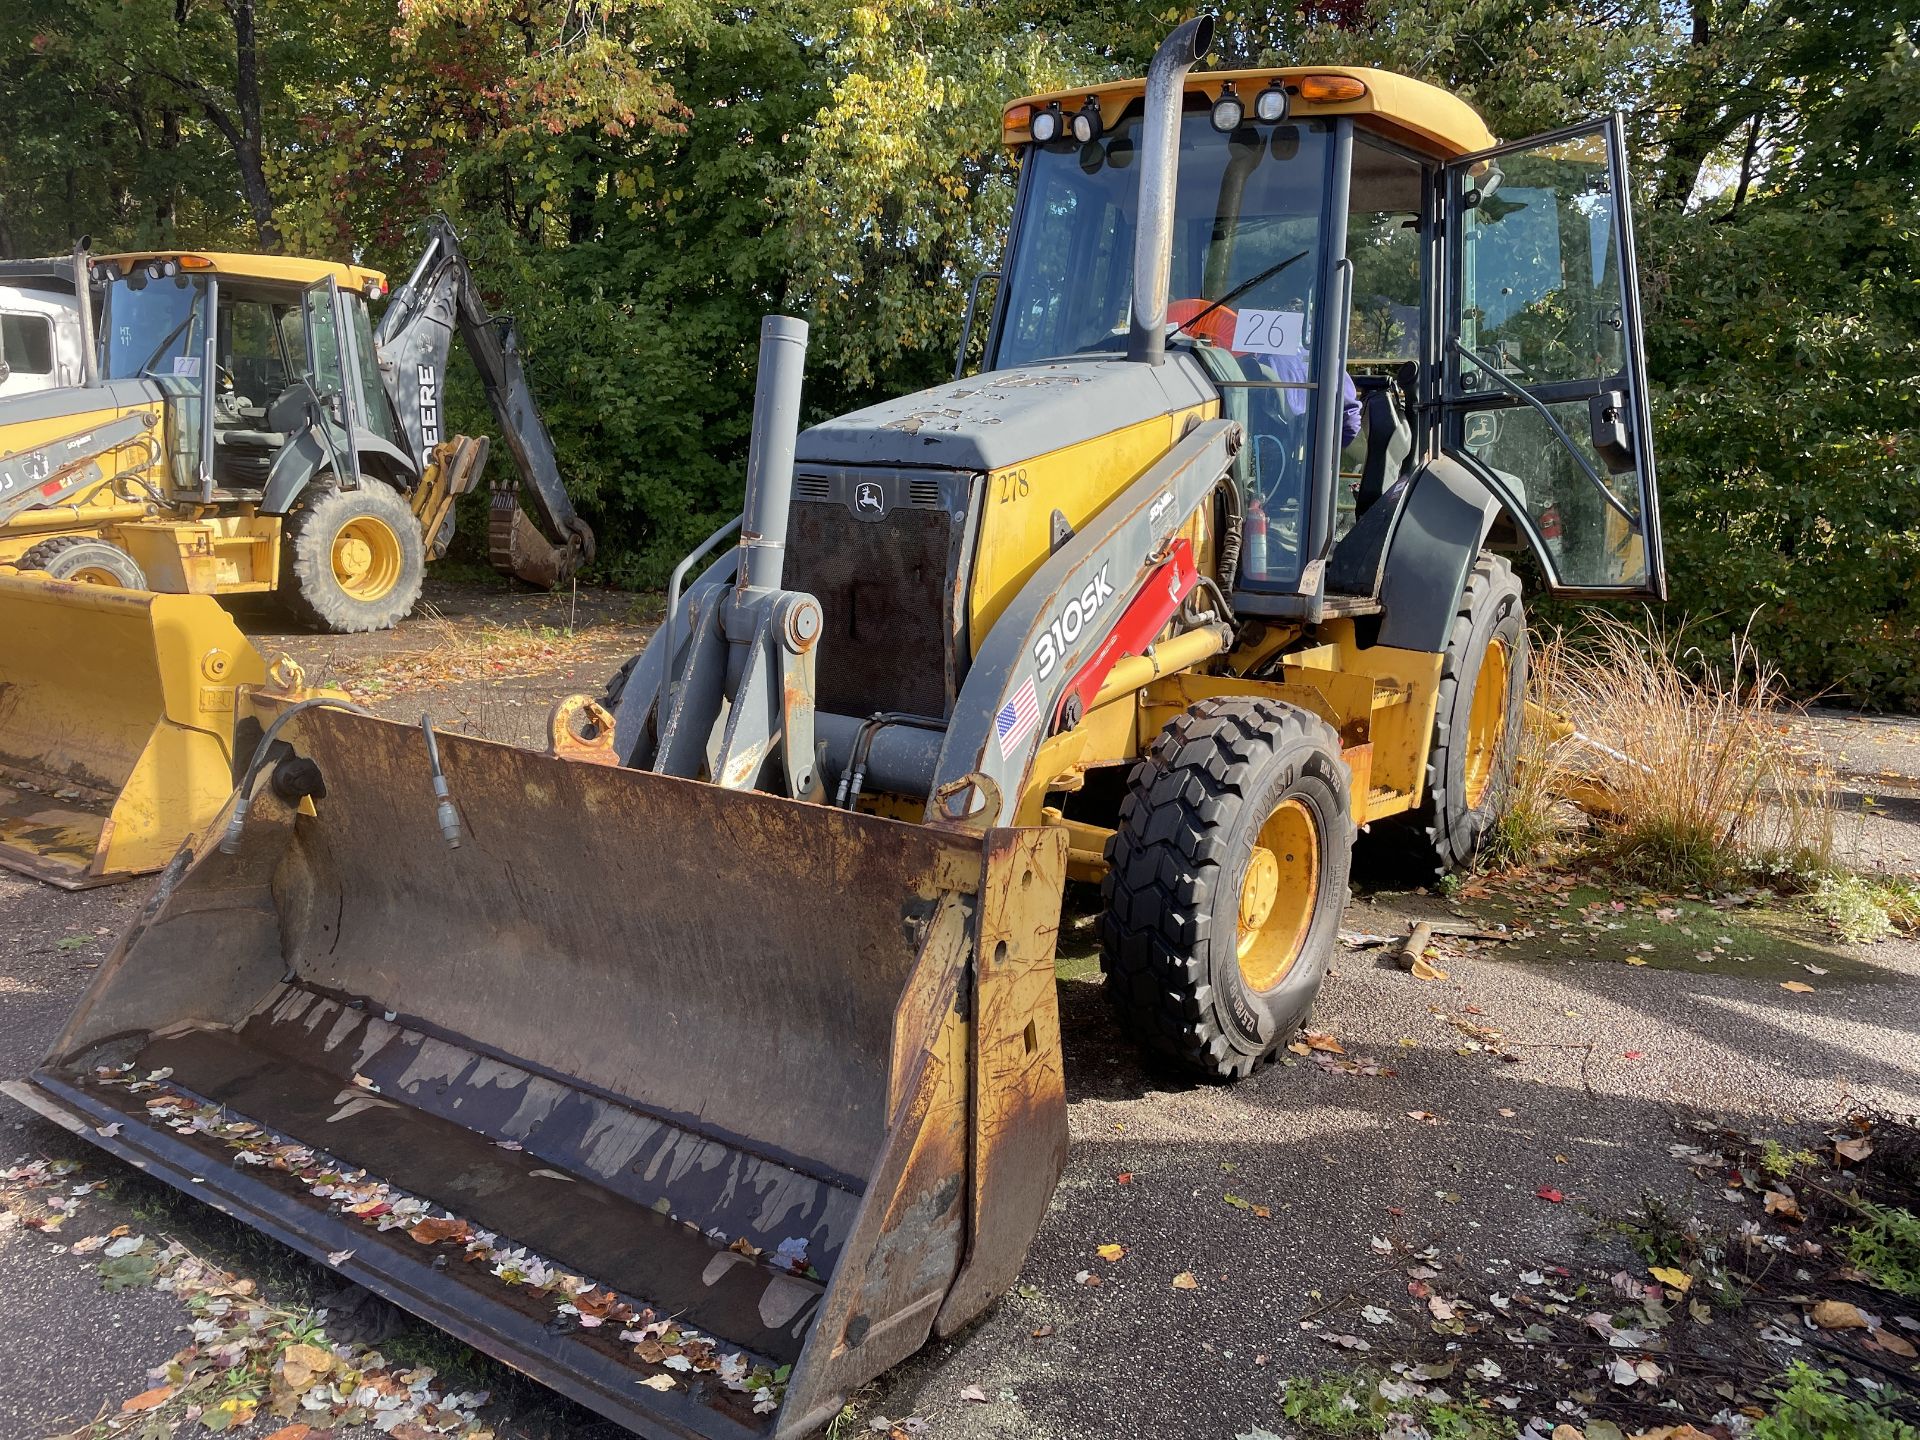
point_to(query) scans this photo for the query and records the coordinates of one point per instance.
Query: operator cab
(284, 352)
(1356, 334)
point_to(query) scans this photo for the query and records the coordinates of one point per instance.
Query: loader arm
(413, 340)
(1059, 622)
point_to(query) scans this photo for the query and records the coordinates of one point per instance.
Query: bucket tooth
(789, 1077)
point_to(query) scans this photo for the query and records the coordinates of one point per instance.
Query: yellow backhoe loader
(242, 427)
(706, 1066)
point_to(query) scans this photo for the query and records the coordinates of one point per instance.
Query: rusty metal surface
(1019, 1110)
(512, 1324)
(53, 837)
(277, 1072)
(581, 728)
(757, 1016)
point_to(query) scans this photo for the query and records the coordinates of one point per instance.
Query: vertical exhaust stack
(1159, 169)
(776, 431)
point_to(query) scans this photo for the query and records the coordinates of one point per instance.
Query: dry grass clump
(1683, 758)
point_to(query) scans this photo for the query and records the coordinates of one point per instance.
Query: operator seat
(1357, 565)
(1389, 440)
(242, 458)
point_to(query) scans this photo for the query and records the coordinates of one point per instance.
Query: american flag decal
(1018, 716)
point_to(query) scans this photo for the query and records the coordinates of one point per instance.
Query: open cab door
(327, 375)
(1545, 375)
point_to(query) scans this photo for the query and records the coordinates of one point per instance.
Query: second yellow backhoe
(241, 427)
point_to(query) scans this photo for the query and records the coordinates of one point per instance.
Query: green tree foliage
(641, 180)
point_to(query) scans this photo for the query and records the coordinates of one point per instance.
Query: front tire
(1226, 880)
(86, 560)
(355, 559)
(1477, 720)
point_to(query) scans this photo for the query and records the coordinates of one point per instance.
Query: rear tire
(1226, 880)
(354, 560)
(86, 560)
(1477, 720)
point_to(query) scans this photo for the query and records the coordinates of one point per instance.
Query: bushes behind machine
(1683, 756)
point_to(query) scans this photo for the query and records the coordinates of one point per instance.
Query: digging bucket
(117, 716)
(782, 1077)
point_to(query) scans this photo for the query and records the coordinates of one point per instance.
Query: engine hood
(987, 422)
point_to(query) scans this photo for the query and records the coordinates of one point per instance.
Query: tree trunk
(245, 131)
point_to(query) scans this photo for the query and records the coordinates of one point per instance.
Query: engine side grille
(891, 638)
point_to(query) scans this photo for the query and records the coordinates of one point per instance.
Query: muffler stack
(785, 1077)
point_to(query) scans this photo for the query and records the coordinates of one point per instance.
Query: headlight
(1086, 121)
(1046, 125)
(1228, 112)
(1271, 103)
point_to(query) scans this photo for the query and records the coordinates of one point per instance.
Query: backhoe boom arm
(413, 339)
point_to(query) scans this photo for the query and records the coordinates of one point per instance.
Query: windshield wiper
(166, 340)
(1239, 290)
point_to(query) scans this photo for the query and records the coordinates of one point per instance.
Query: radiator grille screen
(885, 588)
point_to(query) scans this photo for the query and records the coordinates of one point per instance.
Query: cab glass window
(1247, 233)
(251, 348)
(26, 344)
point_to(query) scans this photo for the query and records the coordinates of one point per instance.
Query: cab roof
(286, 269)
(1416, 114)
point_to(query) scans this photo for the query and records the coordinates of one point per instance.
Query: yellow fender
(117, 717)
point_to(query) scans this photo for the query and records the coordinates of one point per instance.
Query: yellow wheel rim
(98, 575)
(367, 558)
(1277, 896)
(1487, 720)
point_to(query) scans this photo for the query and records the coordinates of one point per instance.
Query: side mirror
(6, 372)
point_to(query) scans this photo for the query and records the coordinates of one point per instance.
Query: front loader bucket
(116, 725)
(770, 1091)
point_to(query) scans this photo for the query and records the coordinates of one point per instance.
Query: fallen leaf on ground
(1838, 1315)
(1111, 1252)
(1780, 1203)
(291, 1432)
(1853, 1151)
(229, 1414)
(147, 1399)
(658, 1382)
(1548, 1193)
(1796, 987)
(973, 1393)
(1320, 1040)
(1185, 1281)
(1636, 960)
(1425, 1117)
(432, 1232)
(1667, 1275)
(1424, 969)
(1888, 1341)
(339, 1257)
